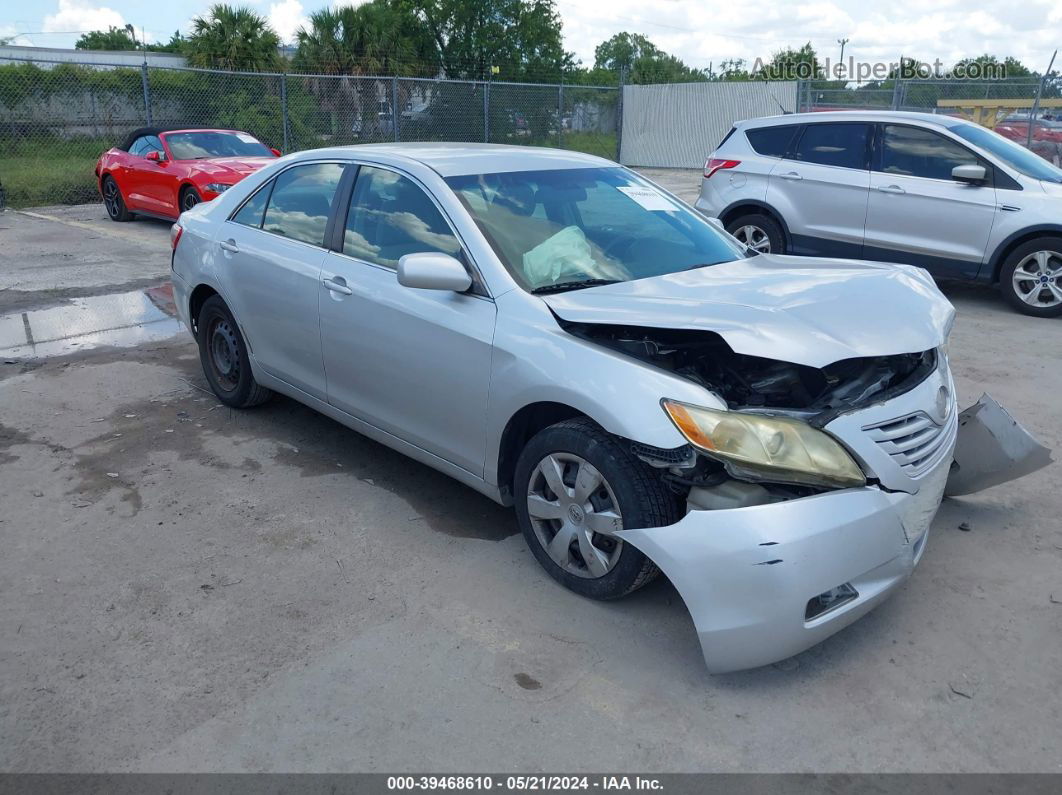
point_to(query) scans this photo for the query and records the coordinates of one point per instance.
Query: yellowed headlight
(786, 449)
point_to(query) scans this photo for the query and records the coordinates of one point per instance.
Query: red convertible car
(161, 172)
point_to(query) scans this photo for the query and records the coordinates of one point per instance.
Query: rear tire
(580, 523)
(113, 201)
(224, 357)
(1031, 277)
(759, 232)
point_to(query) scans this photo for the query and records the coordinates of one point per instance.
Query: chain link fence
(56, 118)
(1027, 110)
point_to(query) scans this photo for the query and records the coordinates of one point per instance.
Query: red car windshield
(200, 144)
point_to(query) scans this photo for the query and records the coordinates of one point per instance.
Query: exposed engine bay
(752, 382)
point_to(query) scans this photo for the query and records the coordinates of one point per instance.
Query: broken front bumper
(748, 574)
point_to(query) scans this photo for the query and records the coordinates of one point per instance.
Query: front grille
(915, 441)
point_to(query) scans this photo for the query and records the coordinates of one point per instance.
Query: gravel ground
(184, 587)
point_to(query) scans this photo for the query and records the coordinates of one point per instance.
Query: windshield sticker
(247, 139)
(648, 198)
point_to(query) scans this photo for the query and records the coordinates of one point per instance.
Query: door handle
(229, 246)
(791, 175)
(891, 189)
(337, 285)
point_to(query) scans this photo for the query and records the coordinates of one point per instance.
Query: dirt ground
(185, 587)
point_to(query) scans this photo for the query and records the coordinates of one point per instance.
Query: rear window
(771, 141)
(843, 144)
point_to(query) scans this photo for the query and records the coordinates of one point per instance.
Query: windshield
(568, 228)
(196, 145)
(1014, 155)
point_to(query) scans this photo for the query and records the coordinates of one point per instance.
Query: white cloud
(286, 17)
(11, 34)
(76, 15)
(706, 33)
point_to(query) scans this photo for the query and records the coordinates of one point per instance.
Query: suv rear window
(771, 141)
(841, 144)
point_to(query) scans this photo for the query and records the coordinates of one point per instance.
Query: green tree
(642, 61)
(790, 64)
(233, 38)
(376, 38)
(111, 39)
(521, 38)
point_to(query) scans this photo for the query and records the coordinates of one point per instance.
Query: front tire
(224, 357)
(1031, 277)
(113, 201)
(189, 198)
(759, 232)
(575, 487)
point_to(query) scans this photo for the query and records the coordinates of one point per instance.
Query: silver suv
(948, 195)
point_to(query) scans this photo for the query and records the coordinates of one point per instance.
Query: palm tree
(378, 38)
(233, 38)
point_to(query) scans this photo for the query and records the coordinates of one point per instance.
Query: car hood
(235, 167)
(795, 309)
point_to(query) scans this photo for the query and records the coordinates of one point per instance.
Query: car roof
(460, 159)
(139, 132)
(939, 119)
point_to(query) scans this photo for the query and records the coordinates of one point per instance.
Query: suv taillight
(718, 164)
(175, 236)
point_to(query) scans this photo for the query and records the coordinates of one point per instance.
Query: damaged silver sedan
(774, 434)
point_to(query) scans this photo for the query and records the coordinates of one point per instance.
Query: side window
(771, 141)
(391, 216)
(843, 144)
(152, 143)
(301, 200)
(138, 146)
(253, 209)
(914, 152)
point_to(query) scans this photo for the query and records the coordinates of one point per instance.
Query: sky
(701, 32)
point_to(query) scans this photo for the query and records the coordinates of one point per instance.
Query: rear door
(270, 265)
(820, 188)
(917, 213)
(412, 362)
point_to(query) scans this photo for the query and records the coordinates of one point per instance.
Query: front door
(820, 188)
(270, 258)
(412, 362)
(917, 213)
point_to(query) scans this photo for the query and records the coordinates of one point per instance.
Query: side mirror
(970, 174)
(156, 156)
(275, 152)
(433, 272)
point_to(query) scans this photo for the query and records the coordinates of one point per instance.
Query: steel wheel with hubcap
(576, 486)
(575, 515)
(1032, 277)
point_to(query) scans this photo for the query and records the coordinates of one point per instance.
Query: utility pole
(842, 42)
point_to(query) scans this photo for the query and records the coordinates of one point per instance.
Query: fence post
(897, 90)
(486, 112)
(1036, 102)
(147, 92)
(560, 116)
(619, 114)
(395, 115)
(284, 110)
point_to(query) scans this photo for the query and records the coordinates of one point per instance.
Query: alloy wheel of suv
(1032, 277)
(758, 233)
